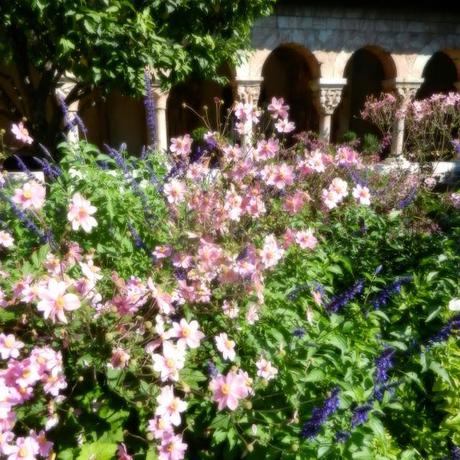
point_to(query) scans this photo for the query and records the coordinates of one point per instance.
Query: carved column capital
(249, 90)
(160, 96)
(328, 94)
(406, 90)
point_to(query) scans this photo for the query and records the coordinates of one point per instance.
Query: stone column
(328, 94)
(161, 125)
(248, 92)
(405, 92)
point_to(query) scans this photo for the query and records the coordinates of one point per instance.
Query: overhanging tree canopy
(107, 43)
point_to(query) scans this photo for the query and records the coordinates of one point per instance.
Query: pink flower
(340, 187)
(80, 213)
(54, 301)
(119, 359)
(230, 309)
(181, 146)
(233, 203)
(21, 133)
(54, 382)
(232, 152)
(162, 252)
(225, 346)
(266, 370)
(5, 439)
(266, 149)
(277, 108)
(271, 253)
(169, 406)
(455, 200)
(170, 362)
(284, 126)
(122, 453)
(229, 389)
(9, 346)
(362, 195)
(172, 448)
(294, 203)
(160, 427)
(174, 191)
(317, 296)
(44, 446)
(252, 314)
(314, 162)
(346, 156)
(188, 333)
(305, 239)
(24, 449)
(330, 198)
(31, 195)
(280, 175)
(6, 240)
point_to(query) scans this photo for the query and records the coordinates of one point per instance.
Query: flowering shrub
(432, 124)
(278, 302)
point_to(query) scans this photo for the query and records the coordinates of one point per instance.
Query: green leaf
(433, 314)
(440, 371)
(97, 451)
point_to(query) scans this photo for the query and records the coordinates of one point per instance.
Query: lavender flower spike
(360, 415)
(383, 297)
(338, 302)
(149, 103)
(319, 415)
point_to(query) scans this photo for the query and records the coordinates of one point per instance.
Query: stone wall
(334, 34)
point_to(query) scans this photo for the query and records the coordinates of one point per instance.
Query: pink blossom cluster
(455, 199)
(175, 338)
(335, 193)
(228, 390)
(18, 384)
(247, 116)
(280, 112)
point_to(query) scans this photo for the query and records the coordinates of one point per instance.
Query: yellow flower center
(170, 448)
(9, 342)
(27, 194)
(60, 302)
(173, 405)
(170, 363)
(229, 343)
(23, 452)
(225, 389)
(185, 332)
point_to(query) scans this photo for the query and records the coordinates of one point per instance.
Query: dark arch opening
(439, 76)
(288, 72)
(114, 119)
(198, 93)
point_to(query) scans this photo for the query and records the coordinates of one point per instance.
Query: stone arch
(114, 119)
(197, 93)
(441, 73)
(369, 71)
(289, 72)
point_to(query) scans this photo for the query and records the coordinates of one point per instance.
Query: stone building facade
(324, 58)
